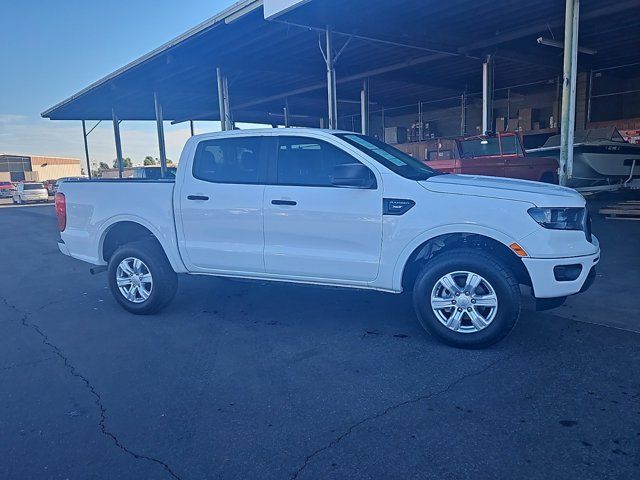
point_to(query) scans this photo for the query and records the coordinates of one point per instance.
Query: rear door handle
(283, 202)
(198, 197)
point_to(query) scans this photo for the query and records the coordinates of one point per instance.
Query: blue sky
(49, 50)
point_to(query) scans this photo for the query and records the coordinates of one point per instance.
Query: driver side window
(308, 162)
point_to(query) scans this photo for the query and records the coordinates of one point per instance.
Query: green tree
(103, 166)
(149, 160)
(126, 162)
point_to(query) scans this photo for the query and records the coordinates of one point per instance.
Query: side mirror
(353, 175)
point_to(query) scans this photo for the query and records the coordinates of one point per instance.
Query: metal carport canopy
(411, 50)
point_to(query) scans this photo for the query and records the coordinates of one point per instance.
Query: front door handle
(198, 197)
(283, 202)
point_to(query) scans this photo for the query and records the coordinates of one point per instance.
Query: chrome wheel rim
(464, 302)
(134, 280)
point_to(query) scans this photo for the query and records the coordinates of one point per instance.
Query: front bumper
(543, 279)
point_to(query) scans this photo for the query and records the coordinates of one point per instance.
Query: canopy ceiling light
(557, 44)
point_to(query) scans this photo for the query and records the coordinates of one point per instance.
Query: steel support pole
(570, 72)
(286, 113)
(487, 94)
(227, 109)
(420, 122)
(221, 101)
(86, 148)
(116, 135)
(191, 128)
(364, 107)
(332, 99)
(463, 114)
(508, 107)
(161, 145)
(589, 99)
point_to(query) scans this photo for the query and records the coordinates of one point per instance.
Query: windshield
(392, 158)
(33, 186)
(480, 147)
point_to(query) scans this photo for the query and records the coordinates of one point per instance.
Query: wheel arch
(427, 246)
(122, 230)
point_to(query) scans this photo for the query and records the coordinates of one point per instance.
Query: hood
(536, 193)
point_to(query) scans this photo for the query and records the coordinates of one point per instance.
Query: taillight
(61, 211)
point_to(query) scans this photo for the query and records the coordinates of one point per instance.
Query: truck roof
(264, 131)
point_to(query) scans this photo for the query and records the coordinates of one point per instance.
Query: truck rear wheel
(141, 278)
(467, 298)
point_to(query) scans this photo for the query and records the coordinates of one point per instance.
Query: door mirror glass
(353, 175)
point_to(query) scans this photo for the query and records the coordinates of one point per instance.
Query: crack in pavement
(24, 319)
(396, 406)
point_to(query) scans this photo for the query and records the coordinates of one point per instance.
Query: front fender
(424, 237)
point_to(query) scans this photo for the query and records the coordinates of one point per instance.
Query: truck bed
(94, 205)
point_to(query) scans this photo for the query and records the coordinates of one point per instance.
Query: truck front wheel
(141, 278)
(467, 298)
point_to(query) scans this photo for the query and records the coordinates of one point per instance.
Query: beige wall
(52, 168)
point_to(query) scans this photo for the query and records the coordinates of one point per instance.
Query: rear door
(312, 228)
(221, 206)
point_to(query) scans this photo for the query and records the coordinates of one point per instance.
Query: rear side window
(229, 160)
(308, 162)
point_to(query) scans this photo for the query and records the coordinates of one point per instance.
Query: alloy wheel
(464, 302)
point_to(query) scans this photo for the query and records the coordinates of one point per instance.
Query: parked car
(30, 192)
(335, 208)
(498, 155)
(6, 189)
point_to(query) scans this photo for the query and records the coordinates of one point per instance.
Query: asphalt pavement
(265, 381)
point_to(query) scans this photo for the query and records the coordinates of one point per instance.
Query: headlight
(559, 218)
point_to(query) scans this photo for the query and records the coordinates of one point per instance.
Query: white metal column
(116, 135)
(160, 127)
(86, 148)
(463, 114)
(570, 74)
(227, 109)
(332, 99)
(364, 107)
(221, 100)
(487, 94)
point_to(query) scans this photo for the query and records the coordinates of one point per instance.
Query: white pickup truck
(340, 209)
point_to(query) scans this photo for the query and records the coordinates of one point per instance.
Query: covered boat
(600, 157)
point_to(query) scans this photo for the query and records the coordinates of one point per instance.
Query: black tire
(499, 277)
(165, 280)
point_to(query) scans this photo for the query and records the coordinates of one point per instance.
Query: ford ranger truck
(339, 209)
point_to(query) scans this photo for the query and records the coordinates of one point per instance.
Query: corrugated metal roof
(267, 61)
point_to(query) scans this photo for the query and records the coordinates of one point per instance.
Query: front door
(314, 229)
(221, 207)
(516, 164)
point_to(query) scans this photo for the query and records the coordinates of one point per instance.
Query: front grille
(587, 226)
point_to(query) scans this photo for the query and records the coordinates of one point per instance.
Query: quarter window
(308, 162)
(230, 160)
